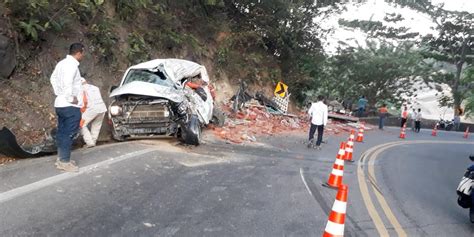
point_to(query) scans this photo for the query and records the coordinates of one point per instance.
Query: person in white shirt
(418, 121)
(319, 118)
(93, 112)
(66, 83)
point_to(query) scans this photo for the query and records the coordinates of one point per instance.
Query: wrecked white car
(155, 99)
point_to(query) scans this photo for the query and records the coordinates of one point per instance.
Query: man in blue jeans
(66, 82)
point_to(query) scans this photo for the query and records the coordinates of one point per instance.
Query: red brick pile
(255, 121)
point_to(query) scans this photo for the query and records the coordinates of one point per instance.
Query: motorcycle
(465, 190)
(445, 124)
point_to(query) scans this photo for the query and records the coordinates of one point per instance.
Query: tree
(453, 44)
(287, 30)
(381, 71)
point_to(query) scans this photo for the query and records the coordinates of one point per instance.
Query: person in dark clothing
(404, 116)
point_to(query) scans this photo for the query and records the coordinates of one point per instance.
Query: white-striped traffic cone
(335, 225)
(335, 178)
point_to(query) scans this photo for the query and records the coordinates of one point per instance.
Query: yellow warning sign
(281, 89)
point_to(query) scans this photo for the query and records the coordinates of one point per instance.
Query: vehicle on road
(445, 124)
(465, 190)
(153, 100)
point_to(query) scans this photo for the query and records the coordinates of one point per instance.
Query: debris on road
(256, 120)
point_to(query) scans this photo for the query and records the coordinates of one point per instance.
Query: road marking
(305, 184)
(371, 156)
(383, 203)
(20, 191)
(364, 190)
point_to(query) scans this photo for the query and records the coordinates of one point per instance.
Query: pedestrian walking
(404, 116)
(361, 104)
(93, 112)
(412, 118)
(66, 83)
(383, 111)
(418, 121)
(319, 117)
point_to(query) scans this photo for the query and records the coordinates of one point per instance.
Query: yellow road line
(383, 203)
(368, 201)
(371, 156)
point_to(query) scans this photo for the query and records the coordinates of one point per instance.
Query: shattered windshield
(149, 76)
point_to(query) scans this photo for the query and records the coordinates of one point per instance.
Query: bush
(104, 40)
(138, 50)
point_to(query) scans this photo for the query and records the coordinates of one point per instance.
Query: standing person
(418, 121)
(361, 104)
(93, 112)
(412, 117)
(404, 116)
(457, 119)
(319, 118)
(66, 83)
(383, 111)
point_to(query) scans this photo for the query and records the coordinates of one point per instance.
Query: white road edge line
(20, 191)
(305, 184)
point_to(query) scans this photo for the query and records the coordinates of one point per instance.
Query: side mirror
(112, 88)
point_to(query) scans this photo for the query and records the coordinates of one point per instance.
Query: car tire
(191, 133)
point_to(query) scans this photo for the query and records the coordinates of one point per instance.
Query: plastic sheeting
(10, 147)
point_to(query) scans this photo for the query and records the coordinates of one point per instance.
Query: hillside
(117, 34)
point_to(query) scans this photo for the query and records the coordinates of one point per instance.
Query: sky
(376, 10)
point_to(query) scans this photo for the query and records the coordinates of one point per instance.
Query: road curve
(409, 187)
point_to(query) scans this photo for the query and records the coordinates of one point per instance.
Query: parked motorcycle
(465, 190)
(445, 124)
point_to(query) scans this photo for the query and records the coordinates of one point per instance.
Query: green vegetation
(264, 42)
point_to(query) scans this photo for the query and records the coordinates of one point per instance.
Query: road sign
(281, 90)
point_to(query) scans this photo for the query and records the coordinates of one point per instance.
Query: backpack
(465, 188)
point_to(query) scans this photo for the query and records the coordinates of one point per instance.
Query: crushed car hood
(177, 69)
(149, 89)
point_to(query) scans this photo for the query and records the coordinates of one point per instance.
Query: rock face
(7, 57)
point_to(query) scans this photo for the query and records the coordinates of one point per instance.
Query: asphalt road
(270, 188)
(420, 181)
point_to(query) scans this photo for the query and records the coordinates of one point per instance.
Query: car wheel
(449, 127)
(191, 133)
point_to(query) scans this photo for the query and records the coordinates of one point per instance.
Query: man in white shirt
(93, 112)
(418, 121)
(66, 83)
(319, 118)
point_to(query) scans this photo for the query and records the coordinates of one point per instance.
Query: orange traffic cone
(402, 132)
(352, 136)
(360, 135)
(335, 225)
(466, 133)
(335, 178)
(434, 132)
(349, 150)
(342, 151)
